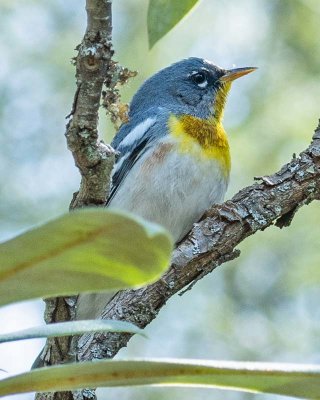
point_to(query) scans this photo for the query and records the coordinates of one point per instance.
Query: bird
(174, 157)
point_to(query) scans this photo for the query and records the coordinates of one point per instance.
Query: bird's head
(192, 86)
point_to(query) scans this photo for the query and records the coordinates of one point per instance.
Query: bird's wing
(133, 140)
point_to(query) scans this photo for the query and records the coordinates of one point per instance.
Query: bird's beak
(235, 73)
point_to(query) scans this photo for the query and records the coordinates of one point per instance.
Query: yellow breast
(201, 138)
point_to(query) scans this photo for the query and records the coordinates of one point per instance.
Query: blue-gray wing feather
(130, 154)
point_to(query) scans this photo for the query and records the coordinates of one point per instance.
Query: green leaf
(87, 250)
(163, 15)
(70, 329)
(285, 379)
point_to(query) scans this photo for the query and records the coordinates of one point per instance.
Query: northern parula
(174, 158)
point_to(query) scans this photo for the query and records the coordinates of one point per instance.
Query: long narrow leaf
(70, 329)
(87, 250)
(285, 379)
(163, 15)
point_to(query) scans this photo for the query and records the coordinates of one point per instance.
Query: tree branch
(212, 242)
(94, 67)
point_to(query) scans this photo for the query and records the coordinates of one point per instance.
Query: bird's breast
(202, 138)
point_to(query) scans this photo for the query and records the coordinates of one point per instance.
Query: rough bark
(273, 200)
(94, 159)
(93, 65)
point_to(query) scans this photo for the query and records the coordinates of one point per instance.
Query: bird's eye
(200, 78)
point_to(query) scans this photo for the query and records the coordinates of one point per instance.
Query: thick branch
(93, 63)
(212, 242)
(94, 67)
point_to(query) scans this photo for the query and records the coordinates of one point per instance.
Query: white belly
(173, 192)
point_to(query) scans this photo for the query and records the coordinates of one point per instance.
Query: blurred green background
(264, 306)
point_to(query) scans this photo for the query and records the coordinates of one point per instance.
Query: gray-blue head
(191, 86)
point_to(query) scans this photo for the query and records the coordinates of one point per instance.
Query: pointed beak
(235, 73)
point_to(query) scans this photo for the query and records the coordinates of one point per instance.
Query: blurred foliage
(163, 15)
(301, 381)
(93, 249)
(262, 306)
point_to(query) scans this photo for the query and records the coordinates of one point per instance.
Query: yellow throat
(209, 134)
